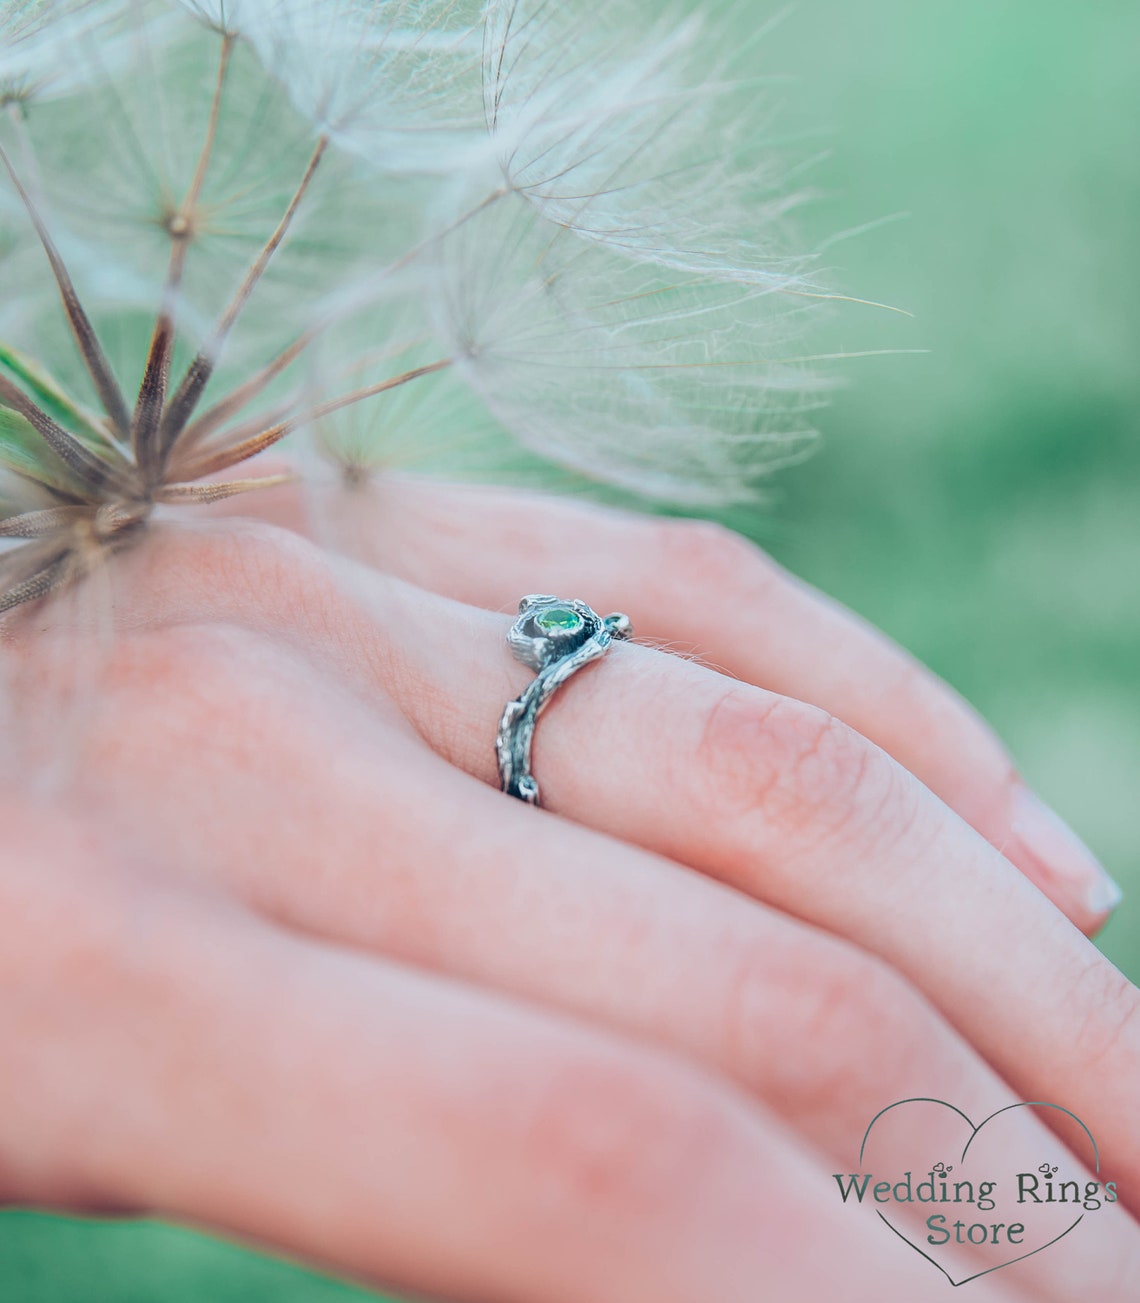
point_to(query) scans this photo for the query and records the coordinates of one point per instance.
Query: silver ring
(556, 639)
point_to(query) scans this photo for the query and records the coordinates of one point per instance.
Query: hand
(285, 969)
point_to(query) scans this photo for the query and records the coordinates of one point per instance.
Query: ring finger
(701, 588)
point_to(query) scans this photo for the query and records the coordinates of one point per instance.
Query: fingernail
(1046, 839)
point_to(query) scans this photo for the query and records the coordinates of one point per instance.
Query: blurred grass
(77, 1260)
(980, 502)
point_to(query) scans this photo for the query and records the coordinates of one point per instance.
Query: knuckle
(704, 553)
(273, 569)
(272, 581)
(623, 1136)
(847, 1027)
(40, 913)
(786, 769)
(76, 918)
(250, 568)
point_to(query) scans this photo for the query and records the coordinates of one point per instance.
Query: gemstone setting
(559, 619)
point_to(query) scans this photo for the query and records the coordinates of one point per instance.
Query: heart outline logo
(974, 1130)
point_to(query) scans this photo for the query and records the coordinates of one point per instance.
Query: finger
(382, 845)
(394, 1125)
(782, 801)
(698, 587)
(768, 794)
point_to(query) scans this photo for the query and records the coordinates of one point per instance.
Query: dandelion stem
(370, 391)
(405, 258)
(193, 194)
(210, 462)
(181, 226)
(110, 395)
(147, 415)
(203, 494)
(182, 404)
(225, 408)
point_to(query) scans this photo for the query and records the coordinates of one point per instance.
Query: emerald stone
(558, 619)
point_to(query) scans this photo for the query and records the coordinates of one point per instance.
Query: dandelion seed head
(397, 227)
(104, 457)
(113, 172)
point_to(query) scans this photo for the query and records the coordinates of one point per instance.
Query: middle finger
(464, 883)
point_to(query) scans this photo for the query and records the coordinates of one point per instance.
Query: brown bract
(83, 483)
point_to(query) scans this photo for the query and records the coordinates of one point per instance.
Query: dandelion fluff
(113, 170)
(649, 143)
(675, 386)
(394, 81)
(227, 17)
(42, 43)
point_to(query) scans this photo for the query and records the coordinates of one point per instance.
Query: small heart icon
(982, 1192)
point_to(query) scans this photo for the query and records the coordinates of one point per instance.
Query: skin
(276, 957)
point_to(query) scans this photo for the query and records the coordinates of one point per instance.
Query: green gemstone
(558, 619)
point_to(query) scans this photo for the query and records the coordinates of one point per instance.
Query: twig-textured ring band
(555, 638)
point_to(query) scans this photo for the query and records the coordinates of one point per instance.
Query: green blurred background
(980, 502)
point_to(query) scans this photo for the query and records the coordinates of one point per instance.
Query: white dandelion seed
(675, 386)
(678, 381)
(43, 44)
(394, 81)
(651, 143)
(597, 289)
